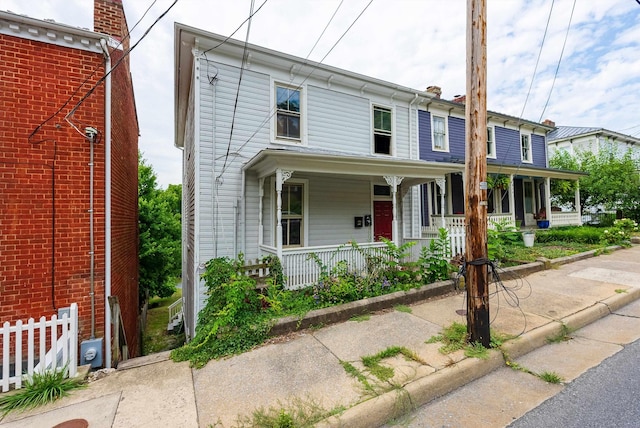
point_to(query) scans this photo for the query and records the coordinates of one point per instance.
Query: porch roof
(304, 159)
(522, 170)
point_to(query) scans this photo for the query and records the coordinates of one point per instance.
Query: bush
(583, 234)
(620, 233)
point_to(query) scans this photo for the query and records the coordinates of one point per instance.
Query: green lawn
(156, 338)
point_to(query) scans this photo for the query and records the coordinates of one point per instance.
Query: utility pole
(476, 174)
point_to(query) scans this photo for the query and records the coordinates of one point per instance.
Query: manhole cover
(73, 423)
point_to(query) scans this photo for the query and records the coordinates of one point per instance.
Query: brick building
(68, 176)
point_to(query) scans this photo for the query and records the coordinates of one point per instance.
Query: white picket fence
(50, 345)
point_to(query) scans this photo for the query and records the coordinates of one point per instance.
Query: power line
(566, 36)
(273, 109)
(73, 94)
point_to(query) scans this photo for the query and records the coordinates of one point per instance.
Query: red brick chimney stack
(549, 122)
(109, 18)
(459, 99)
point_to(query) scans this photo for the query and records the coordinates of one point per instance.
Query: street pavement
(596, 298)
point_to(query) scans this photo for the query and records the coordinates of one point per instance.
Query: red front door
(382, 220)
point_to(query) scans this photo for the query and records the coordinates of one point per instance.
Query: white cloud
(410, 42)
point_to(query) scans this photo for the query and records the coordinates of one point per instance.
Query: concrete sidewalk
(310, 365)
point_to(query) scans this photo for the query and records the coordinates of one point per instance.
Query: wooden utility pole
(476, 175)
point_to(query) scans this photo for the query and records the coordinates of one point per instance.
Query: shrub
(620, 233)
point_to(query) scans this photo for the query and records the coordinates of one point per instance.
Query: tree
(160, 233)
(613, 180)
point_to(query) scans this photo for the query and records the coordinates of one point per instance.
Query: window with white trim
(491, 143)
(525, 148)
(292, 214)
(382, 132)
(439, 127)
(288, 114)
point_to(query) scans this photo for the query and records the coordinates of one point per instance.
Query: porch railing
(300, 270)
(37, 346)
(454, 221)
(457, 242)
(565, 218)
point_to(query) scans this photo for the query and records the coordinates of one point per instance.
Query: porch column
(393, 182)
(547, 197)
(441, 182)
(577, 202)
(260, 225)
(281, 177)
(512, 200)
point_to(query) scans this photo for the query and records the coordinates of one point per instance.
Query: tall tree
(160, 232)
(613, 180)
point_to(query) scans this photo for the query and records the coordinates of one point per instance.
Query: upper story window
(288, 113)
(491, 143)
(439, 133)
(525, 148)
(382, 130)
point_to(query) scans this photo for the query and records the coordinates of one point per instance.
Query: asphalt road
(607, 395)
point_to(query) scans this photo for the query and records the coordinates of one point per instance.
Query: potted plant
(541, 218)
(498, 181)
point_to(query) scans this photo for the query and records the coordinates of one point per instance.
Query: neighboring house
(285, 157)
(576, 138)
(68, 178)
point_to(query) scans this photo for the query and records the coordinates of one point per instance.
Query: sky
(588, 76)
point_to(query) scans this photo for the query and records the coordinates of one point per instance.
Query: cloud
(414, 43)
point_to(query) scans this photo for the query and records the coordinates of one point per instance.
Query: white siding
(402, 131)
(338, 121)
(333, 203)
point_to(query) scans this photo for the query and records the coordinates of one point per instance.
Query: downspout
(92, 254)
(107, 203)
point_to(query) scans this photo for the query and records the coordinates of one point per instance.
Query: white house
(286, 156)
(576, 138)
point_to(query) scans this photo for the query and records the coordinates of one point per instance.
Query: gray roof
(567, 132)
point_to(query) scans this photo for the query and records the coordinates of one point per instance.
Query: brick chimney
(549, 122)
(109, 18)
(435, 90)
(459, 99)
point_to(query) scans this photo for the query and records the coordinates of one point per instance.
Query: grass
(562, 336)
(292, 414)
(402, 308)
(156, 338)
(550, 377)
(42, 389)
(549, 250)
(361, 318)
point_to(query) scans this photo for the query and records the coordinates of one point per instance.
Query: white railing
(457, 242)
(175, 313)
(456, 221)
(301, 270)
(565, 218)
(49, 345)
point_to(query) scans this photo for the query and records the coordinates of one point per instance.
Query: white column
(394, 181)
(281, 177)
(547, 202)
(577, 199)
(512, 200)
(260, 202)
(441, 182)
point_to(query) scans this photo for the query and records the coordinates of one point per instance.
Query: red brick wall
(45, 258)
(36, 79)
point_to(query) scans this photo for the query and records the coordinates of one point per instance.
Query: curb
(384, 408)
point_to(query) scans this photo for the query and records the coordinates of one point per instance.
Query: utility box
(91, 352)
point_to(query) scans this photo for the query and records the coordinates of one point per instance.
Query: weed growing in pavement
(562, 336)
(476, 350)
(550, 377)
(40, 389)
(360, 318)
(403, 308)
(294, 413)
(620, 290)
(455, 337)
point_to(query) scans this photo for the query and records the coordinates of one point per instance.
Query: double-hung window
(382, 130)
(491, 143)
(288, 113)
(292, 214)
(439, 133)
(525, 148)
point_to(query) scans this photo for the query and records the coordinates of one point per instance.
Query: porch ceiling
(522, 170)
(414, 172)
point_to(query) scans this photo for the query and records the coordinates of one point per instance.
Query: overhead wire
(315, 67)
(73, 94)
